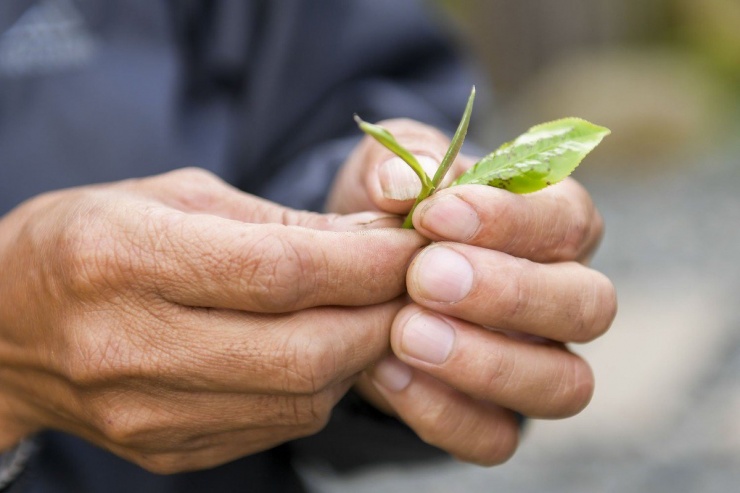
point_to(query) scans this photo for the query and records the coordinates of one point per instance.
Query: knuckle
(607, 303)
(163, 464)
(496, 447)
(91, 260)
(103, 358)
(194, 174)
(98, 360)
(126, 427)
(190, 188)
(516, 295)
(297, 382)
(496, 376)
(575, 240)
(311, 368)
(573, 389)
(585, 224)
(597, 309)
(277, 274)
(312, 413)
(434, 424)
(193, 179)
(481, 439)
(308, 219)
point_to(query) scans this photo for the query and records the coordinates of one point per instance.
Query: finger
(151, 451)
(216, 450)
(565, 301)
(376, 179)
(205, 261)
(559, 223)
(470, 430)
(538, 380)
(194, 190)
(222, 449)
(301, 353)
(162, 423)
(151, 418)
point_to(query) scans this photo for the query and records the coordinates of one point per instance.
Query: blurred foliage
(515, 38)
(664, 75)
(712, 28)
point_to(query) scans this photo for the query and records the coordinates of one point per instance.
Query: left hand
(495, 300)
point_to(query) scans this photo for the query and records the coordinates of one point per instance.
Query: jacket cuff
(13, 463)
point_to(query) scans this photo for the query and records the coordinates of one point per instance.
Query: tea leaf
(544, 155)
(457, 142)
(383, 136)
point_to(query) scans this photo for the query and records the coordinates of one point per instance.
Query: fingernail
(399, 182)
(450, 217)
(392, 374)
(441, 274)
(428, 338)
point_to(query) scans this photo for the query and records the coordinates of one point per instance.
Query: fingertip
(495, 445)
(397, 181)
(447, 217)
(391, 375)
(425, 339)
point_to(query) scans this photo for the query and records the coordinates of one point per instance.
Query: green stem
(425, 192)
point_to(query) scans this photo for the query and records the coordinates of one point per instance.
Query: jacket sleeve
(13, 463)
(359, 436)
(314, 65)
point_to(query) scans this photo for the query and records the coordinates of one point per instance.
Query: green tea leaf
(544, 155)
(387, 139)
(456, 143)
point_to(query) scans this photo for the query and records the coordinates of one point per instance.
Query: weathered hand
(495, 299)
(181, 323)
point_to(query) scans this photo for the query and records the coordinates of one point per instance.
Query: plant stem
(426, 191)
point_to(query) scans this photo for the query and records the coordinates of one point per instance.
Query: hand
(494, 301)
(180, 323)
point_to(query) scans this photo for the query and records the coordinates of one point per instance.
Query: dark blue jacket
(255, 91)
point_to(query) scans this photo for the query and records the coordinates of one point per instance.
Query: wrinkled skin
(181, 323)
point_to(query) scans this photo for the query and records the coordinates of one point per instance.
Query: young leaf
(456, 143)
(388, 141)
(452, 151)
(544, 155)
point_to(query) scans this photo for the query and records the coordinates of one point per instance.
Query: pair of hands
(181, 323)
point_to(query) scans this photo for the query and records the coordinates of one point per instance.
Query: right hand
(180, 323)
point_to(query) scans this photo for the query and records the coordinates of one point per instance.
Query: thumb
(196, 190)
(373, 178)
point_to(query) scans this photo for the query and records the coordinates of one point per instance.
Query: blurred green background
(664, 75)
